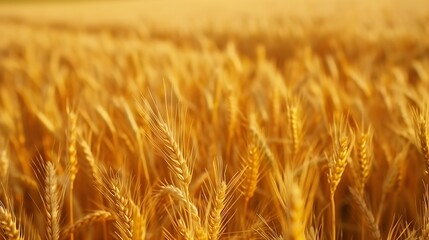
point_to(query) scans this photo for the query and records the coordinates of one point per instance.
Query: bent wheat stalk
(369, 217)
(172, 151)
(337, 164)
(97, 216)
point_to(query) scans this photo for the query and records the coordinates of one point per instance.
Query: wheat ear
(422, 134)
(89, 219)
(179, 195)
(311, 233)
(337, 164)
(72, 155)
(364, 158)
(393, 179)
(262, 141)
(124, 213)
(90, 160)
(4, 165)
(251, 165)
(26, 181)
(139, 224)
(233, 116)
(136, 130)
(293, 112)
(172, 151)
(369, 217)
(290, 203)
(183, 230)
(276, 109)
(215, 220)
(94, 170)
(296, 213)
(8, 225)
(52, 203)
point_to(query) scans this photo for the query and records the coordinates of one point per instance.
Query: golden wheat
(363, 146)
(122, 208)
(52, 202)
(8, 225)
(251, 123)
(89, 219)
(215, 220)
(366, 212)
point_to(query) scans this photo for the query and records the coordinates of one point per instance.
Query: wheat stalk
(233, 117)
(90, 159)
(296, 212)
(94, 171)
(337, 164)
(136, 129)
(256, 131)
(139, 223)
(172, 152)
(393, 179)
(369, 217)
(87, 220)
(178, 194)
(106, 117)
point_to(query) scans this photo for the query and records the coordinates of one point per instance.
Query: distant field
(214, 119)
(193, 12)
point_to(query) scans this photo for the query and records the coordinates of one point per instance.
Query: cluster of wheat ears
(296, 132)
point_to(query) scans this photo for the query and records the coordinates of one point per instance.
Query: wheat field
(214, 120)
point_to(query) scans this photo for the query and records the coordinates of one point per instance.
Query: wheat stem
(297, 225)
(369, 217)
(337, 163)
